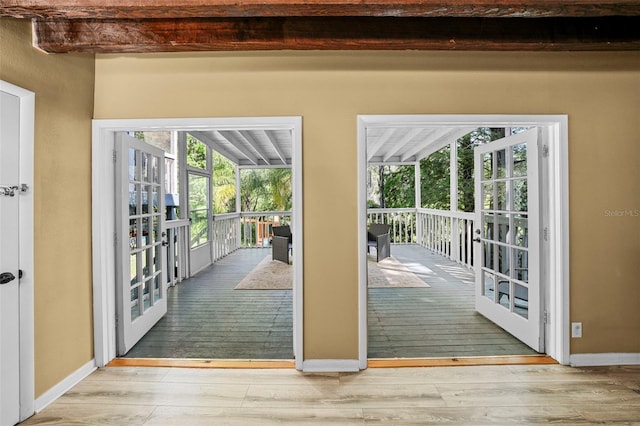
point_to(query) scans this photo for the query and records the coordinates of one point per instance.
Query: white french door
(9, 260)
(141, 289)
(507, 236)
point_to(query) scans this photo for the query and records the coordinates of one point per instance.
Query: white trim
(362, 244)
(558, 303)
(331, 366)
(103, 244)
(27, 337)
(593, 360)
(103, 215)
(67, 383)
(297, 241)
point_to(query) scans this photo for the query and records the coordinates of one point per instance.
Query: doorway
(104, 259)
(375, 131)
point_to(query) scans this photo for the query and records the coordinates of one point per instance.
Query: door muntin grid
(145, 238)
(504, 228)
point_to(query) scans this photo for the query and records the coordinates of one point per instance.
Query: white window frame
(555, 181)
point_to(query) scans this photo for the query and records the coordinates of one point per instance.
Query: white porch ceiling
(385, 145)
(250, 147)
(408, 144)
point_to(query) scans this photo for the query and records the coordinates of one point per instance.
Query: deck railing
(226, 234)
(447, 233)
(256, 227)
(402, 223)
(178, 246)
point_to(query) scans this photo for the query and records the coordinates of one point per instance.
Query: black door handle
(6, 277)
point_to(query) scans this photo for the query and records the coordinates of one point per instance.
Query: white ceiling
(250, 148)
(406, 145)
(388, 145)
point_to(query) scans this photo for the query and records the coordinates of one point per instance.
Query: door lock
(10, 191)
(6, 277)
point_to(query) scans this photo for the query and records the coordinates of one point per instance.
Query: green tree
(434, 180)
(281, 190)
(196, 153)
(224, 184)
(465, 147)
(266, 189)
(399, 186)
(395, 184)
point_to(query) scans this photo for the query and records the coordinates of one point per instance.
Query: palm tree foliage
(265, 189)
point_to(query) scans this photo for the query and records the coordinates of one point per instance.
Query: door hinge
(114, 155)
(115, 238)
(545, 150)
(546, 317)
(545, 233)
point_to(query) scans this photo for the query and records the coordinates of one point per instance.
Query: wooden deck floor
(481, 395)
(208, 319)
(439, 321)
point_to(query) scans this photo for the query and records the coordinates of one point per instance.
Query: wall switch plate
(576, 329)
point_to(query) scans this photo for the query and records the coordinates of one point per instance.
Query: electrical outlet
(576, 329)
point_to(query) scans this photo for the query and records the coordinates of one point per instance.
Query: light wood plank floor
(207, 318)
(480, 395)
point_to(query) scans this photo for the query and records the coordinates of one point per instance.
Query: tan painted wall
(599, 91)
(64, 107)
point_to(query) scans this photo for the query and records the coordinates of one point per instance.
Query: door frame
(103, 215)
(26, 289)
(554, 184)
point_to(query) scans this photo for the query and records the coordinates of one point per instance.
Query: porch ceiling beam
(450, 136)
(273, 140)
(141, 9)
(372, 150)
(402, 143)
(236, 140)
(206, 138)
(433, 137)
(338, 33)
(248, 137)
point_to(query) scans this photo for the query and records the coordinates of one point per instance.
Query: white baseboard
(593, 360)
(330, 365)
(70, 381)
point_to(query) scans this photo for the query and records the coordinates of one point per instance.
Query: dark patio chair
(378, 237)
(282, 243)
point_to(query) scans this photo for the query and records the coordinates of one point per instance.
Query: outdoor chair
(378, 237)
(282, 243)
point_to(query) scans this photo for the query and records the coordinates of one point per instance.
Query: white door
(9, 260)
(507, 236)
(141, 289)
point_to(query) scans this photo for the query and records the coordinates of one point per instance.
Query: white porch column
(418, 200)
(238, 208)
(183, 187)
(453, 197)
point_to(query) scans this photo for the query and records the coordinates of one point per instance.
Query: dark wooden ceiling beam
(335, 33)
(167, 9)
